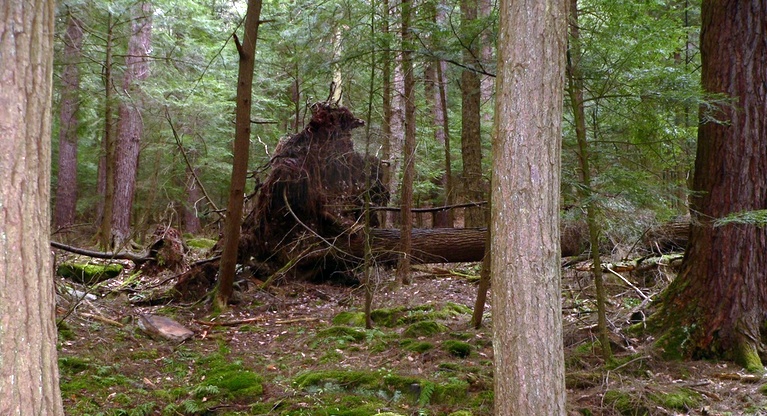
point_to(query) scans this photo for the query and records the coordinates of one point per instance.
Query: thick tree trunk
(429, 245)
(130, 125)
(29, 379)
(66, 186)
(527, 311)
(719, 300)
(471, 143)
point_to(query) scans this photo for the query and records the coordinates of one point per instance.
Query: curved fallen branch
(124, 255)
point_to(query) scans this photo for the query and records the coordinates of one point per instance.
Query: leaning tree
(717, 306)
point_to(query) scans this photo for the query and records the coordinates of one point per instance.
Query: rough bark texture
(471, 143)
(130, 126)
(66, 187)
(719, 300)
(247, 52)
(29, 379)
(527, 312)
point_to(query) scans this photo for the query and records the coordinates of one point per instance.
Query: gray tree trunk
(525, 253)
(29, 377)
(66, 186)
(130, 126)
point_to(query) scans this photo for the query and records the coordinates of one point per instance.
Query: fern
(205, 390)
(426, 392)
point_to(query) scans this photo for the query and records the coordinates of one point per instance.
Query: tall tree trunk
(471, 140)
(130, 125)
(106, 174)
(575, 91)
(29, 377)
(386, 127)
(449, 180)
(66, 187)
(527, 310)
(408, 169)
(717, 305)
(247, 54)
(434, 89)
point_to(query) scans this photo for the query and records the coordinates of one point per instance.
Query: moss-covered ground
(302, 349)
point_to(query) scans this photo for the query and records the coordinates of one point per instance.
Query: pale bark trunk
(66, 186)
(525, 253)
(29, 379)
(130, 126)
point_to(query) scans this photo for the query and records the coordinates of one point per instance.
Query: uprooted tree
(308, 218)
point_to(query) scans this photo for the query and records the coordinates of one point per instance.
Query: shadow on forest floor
(301, 349)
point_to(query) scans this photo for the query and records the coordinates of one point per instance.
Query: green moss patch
(424, 329)
(350, 319)
(416, 346)
(235, 381)
(677, 399)
(341, 378)
(457, 348)
(201, 243)
(87, 273)
(342, 333)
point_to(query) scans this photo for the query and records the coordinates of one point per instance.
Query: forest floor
(301, 349)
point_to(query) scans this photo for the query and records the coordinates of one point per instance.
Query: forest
(393, 207)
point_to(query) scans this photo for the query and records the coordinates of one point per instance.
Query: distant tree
(29, 379)
(527, 310)
(717, 305)
(130, 125)
(66, 186)
(575, 92)
(408, 152)
(471, 95)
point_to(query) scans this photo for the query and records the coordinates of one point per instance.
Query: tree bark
(471, 140)
(408, 174)
(247, 52)
(130, 125)
(525, 253)
(66, 186)
(719, 299)
(106, 179)
(29, 379)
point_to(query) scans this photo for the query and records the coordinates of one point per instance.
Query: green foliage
(349, 318)
(757, 217)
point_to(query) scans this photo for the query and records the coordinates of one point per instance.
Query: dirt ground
(299, 349)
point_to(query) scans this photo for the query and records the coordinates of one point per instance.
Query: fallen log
(430, 245)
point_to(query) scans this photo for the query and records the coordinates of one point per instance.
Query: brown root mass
(311, 206)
